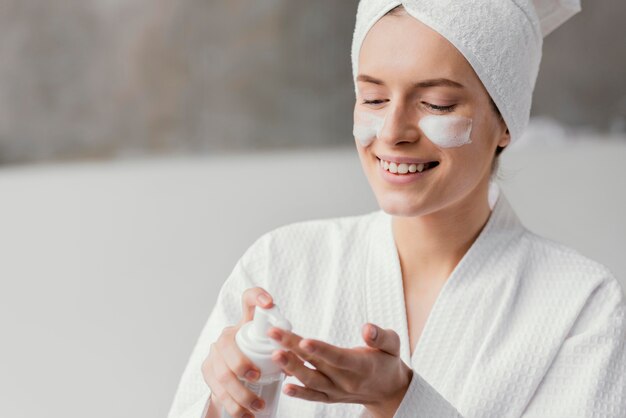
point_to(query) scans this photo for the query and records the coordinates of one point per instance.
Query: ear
(505, 139)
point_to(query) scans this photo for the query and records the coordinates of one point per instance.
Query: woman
(441, 303)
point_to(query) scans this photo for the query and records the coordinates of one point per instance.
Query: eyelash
(434, 107)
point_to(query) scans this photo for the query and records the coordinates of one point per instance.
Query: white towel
(501, 39)
(553, 13)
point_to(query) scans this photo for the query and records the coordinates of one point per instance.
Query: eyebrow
(435, 82)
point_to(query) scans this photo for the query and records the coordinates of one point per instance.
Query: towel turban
(501, 39)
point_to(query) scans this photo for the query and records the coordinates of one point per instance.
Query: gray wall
(582, 79)
(107, 79)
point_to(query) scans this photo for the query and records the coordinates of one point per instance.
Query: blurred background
(145, 144)
(105, 79)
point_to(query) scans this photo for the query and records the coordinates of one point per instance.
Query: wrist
(387, 407)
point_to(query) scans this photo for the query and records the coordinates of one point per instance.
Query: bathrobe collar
(384, 293)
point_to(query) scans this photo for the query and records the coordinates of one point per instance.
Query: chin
(399, 206)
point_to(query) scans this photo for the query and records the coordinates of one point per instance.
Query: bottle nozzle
(264, 319)
(254, 342)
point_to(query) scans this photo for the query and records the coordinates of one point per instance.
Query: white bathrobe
(524, 326)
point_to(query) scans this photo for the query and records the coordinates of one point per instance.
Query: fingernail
(264, 299)
(309, 348)
(252, 374)
(290, 392)
(257, 404)
(373, 333)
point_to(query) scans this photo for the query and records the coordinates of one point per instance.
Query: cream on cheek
(367, 127)
(447, 131)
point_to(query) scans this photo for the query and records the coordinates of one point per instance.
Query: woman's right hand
(226, 362)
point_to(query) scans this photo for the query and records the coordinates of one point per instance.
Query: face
(446, 134)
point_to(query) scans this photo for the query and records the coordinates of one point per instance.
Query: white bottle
(254, 343)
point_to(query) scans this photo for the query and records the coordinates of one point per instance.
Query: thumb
(386, 340)
(251, 298)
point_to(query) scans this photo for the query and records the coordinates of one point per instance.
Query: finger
(235, 388)
(312, 378)
(255, 296)
(308, 394)
(335, 356)
(215, 405)
(236, 361)
(226, 400)
(386, 340)
(290, 341)
(287, 339)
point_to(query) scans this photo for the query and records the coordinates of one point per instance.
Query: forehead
(403, 45)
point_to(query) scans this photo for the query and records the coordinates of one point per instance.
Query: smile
(405, 168)
(404, 173)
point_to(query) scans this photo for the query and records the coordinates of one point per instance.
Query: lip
(401, 178)
(406, 160)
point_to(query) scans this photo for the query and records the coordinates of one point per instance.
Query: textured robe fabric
(523, 327)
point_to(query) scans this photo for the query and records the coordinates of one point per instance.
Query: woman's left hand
(373, 376)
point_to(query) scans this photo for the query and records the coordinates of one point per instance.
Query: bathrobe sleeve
(193, 394)
(422, 400)
(587, 376)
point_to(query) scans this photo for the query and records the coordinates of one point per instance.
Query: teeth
(402, 168)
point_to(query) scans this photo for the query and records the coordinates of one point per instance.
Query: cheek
(464, 168)
(364, 134)
(367, 127)
(447, 131)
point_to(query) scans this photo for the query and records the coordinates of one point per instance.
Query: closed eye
(440, 108)
(432, 106)
(372, 101)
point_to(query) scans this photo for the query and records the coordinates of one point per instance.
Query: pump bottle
(254, 343)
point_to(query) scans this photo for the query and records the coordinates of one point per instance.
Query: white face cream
(367, 127)
(447, 131)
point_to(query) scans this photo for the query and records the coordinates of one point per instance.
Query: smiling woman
(441, 303)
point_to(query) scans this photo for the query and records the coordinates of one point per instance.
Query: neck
(430, 246)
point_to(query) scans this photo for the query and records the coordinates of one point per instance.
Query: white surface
(110, 270)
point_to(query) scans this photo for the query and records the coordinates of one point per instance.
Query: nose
(400, 125)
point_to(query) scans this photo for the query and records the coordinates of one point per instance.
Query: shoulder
(311, 239)
(564, 268)
(553, 255)
(561, 291)
(300, 263)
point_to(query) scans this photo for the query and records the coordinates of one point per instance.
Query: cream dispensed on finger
(501, 39)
